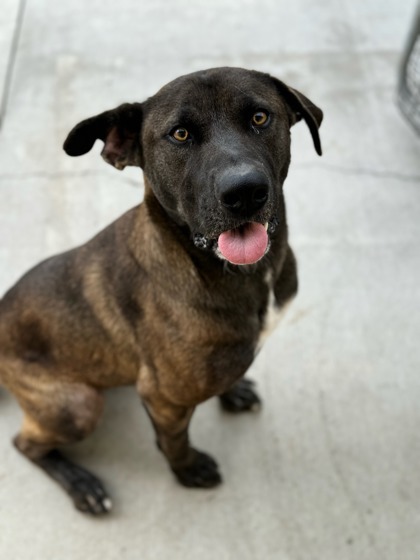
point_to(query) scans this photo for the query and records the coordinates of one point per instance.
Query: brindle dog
(174, 295)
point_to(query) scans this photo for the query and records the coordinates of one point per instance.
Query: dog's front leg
(192, 468)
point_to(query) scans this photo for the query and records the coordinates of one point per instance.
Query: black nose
(243, 193)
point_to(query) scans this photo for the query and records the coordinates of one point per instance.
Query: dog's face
(215, 149)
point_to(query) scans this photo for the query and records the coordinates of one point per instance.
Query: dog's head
(215, 148)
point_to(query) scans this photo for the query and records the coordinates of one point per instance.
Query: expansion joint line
(11, 59)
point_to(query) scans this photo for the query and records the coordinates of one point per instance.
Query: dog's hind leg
(58, 414)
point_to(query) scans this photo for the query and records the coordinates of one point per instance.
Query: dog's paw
(241, 397)
(84, 488)
(89, 495)
(202, 473)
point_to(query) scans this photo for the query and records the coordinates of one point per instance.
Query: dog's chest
(273, 316)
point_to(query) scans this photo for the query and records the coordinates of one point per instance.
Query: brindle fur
(141, 304)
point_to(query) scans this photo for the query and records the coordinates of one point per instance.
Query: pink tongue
(244, 245)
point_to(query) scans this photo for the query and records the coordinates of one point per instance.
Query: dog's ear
(302, 108)
(119, 129)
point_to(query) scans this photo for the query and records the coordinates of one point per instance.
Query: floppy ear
(119, 129)
(302, 107)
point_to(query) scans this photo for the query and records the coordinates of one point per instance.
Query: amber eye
(181, 134)
(260, 118)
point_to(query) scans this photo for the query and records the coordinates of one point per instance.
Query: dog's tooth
(266, 226)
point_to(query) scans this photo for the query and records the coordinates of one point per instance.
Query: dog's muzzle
(243, 192)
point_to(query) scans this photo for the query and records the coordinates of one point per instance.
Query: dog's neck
(162, 218)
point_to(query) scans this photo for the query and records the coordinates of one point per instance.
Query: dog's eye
(181, 134)
(260, 118)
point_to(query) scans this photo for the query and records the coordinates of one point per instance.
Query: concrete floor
(330, 468)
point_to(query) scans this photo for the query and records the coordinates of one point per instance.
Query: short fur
(148, 301)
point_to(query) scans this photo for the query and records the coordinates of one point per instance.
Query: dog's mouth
(245, 244)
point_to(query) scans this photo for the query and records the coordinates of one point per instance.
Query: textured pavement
(329, 470)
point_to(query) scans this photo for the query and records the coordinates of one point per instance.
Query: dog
(173, 297)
